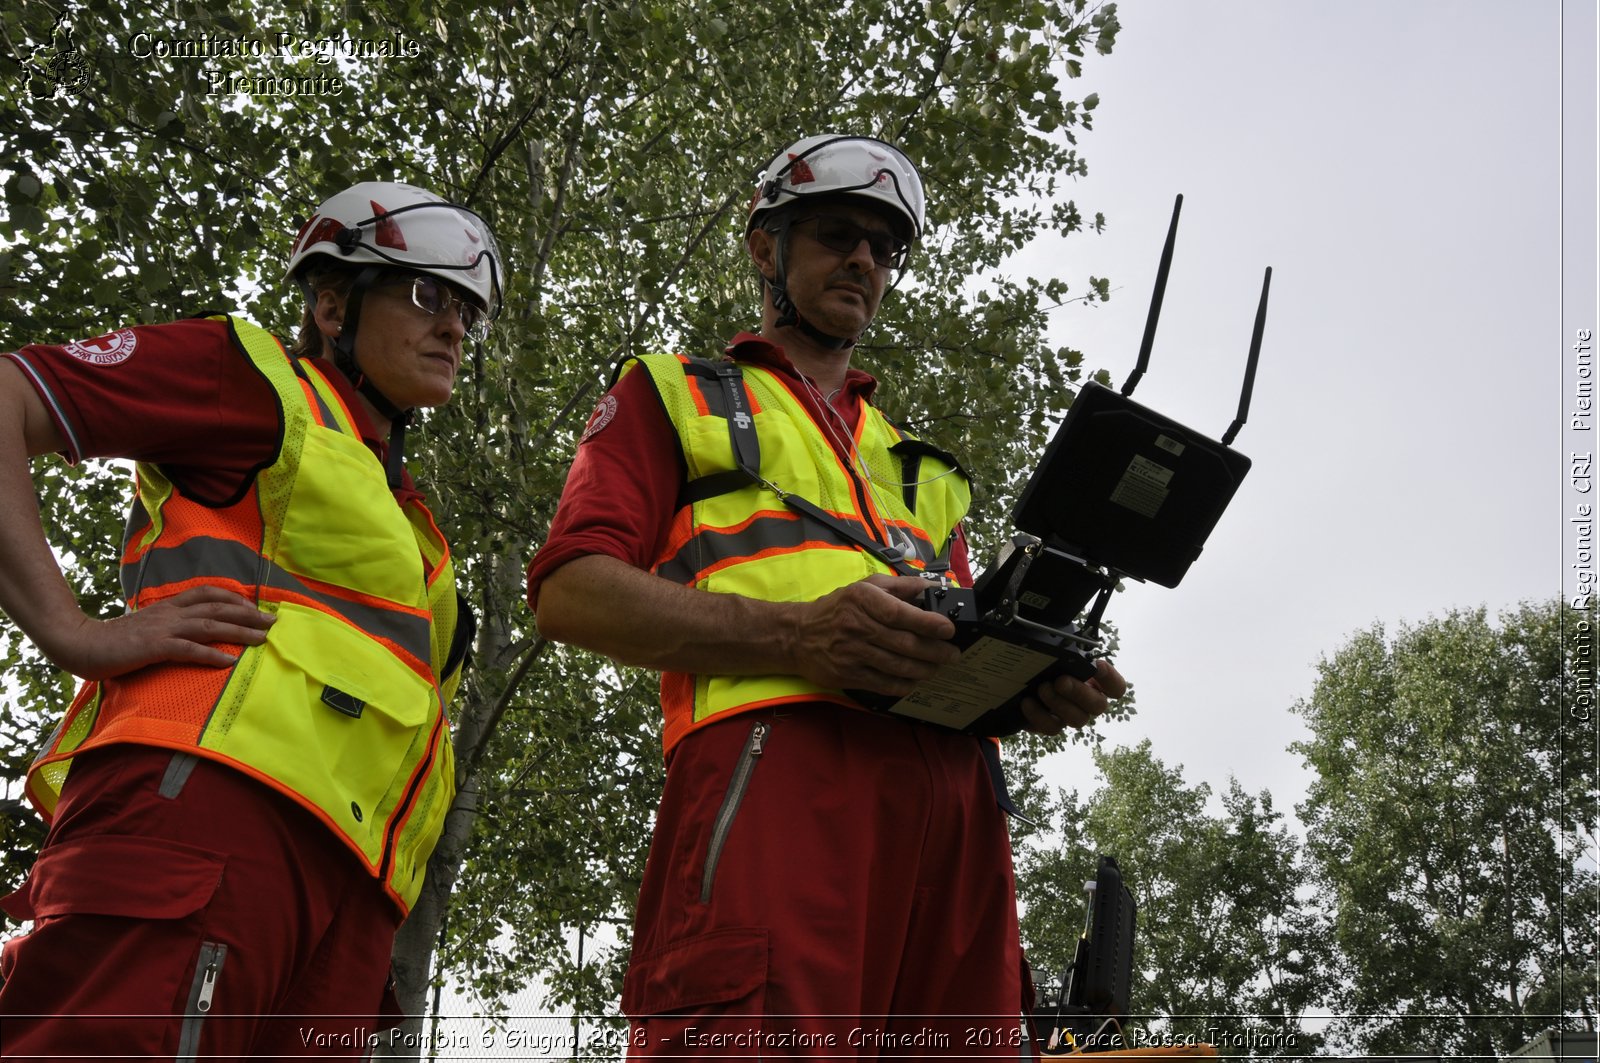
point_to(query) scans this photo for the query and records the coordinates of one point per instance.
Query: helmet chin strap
(344, 359)
(788, 313)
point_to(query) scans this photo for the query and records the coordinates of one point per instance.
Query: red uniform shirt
(622, 490)
(185, 397)
(178, 395)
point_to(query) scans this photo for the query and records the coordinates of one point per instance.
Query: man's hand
(185, 627)
(1068, 702)
(868, 636)
(864, 636)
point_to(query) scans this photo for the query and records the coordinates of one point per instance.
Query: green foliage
(1441, 903)
(1453, 799)
(1226, 951)
(612, 145)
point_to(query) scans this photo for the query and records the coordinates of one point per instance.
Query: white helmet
(834, 165)
(383, 222)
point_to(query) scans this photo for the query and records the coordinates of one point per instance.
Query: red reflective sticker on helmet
(316, 230)
(799, 172)
(388, 231)
(601, 417)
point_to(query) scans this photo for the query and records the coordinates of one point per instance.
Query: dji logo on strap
(742, 419)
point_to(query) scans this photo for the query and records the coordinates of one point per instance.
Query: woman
(244, 793)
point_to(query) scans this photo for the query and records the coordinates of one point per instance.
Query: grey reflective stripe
(708, 548)
(177, 773)
(202, 996)
(730, 806)
(138, 521)
(925, 551)
(411, 633)
(324, 412)
(202, 556)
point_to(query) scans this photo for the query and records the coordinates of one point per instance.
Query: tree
(1454, 799)
(610, 144)
(1226, 949)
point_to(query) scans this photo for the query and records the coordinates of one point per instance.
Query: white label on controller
(990, 672)
(1143, 486)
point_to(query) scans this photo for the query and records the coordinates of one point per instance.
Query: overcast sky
(1397, 164)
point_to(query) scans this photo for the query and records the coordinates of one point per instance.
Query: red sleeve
(622, 489)
(961, 559)
(179, 395)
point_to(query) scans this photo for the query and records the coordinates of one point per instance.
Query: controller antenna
(1250, 365)
(1155, 302)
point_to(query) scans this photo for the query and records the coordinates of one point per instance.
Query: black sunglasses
(844, 236)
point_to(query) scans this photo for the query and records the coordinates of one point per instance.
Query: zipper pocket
(730, 805)
(201, 995)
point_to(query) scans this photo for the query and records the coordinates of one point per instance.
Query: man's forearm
(638, 618)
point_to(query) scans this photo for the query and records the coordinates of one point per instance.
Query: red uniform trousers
(825, 881)
(222, 921)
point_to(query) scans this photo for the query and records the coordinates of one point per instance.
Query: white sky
(1397, 164)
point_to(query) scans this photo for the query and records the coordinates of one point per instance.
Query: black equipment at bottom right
(1081, 1012)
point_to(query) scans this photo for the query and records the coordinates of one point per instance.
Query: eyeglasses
(433, 296)
(844, 236)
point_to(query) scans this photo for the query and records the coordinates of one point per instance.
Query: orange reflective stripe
(408, 801)
(319, 409)
(329, 395)
(436, 567)
(677, 704)
(698, 394)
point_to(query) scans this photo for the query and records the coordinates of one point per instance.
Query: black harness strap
(747, 455)
(718, 483)
(910, 469)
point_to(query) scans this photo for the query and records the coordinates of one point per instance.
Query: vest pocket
(354, 766)
(743, 769)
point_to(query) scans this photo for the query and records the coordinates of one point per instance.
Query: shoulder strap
(911, 451)
(747, 455)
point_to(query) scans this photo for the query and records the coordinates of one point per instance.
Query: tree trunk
(415, 943)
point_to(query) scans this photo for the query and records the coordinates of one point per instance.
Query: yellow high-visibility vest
(342, 708)
(733, 535)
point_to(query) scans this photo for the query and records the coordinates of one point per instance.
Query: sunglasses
(433, 296)
(844, 236)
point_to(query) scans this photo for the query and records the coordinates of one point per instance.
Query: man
(822, 877)
(243, 796)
